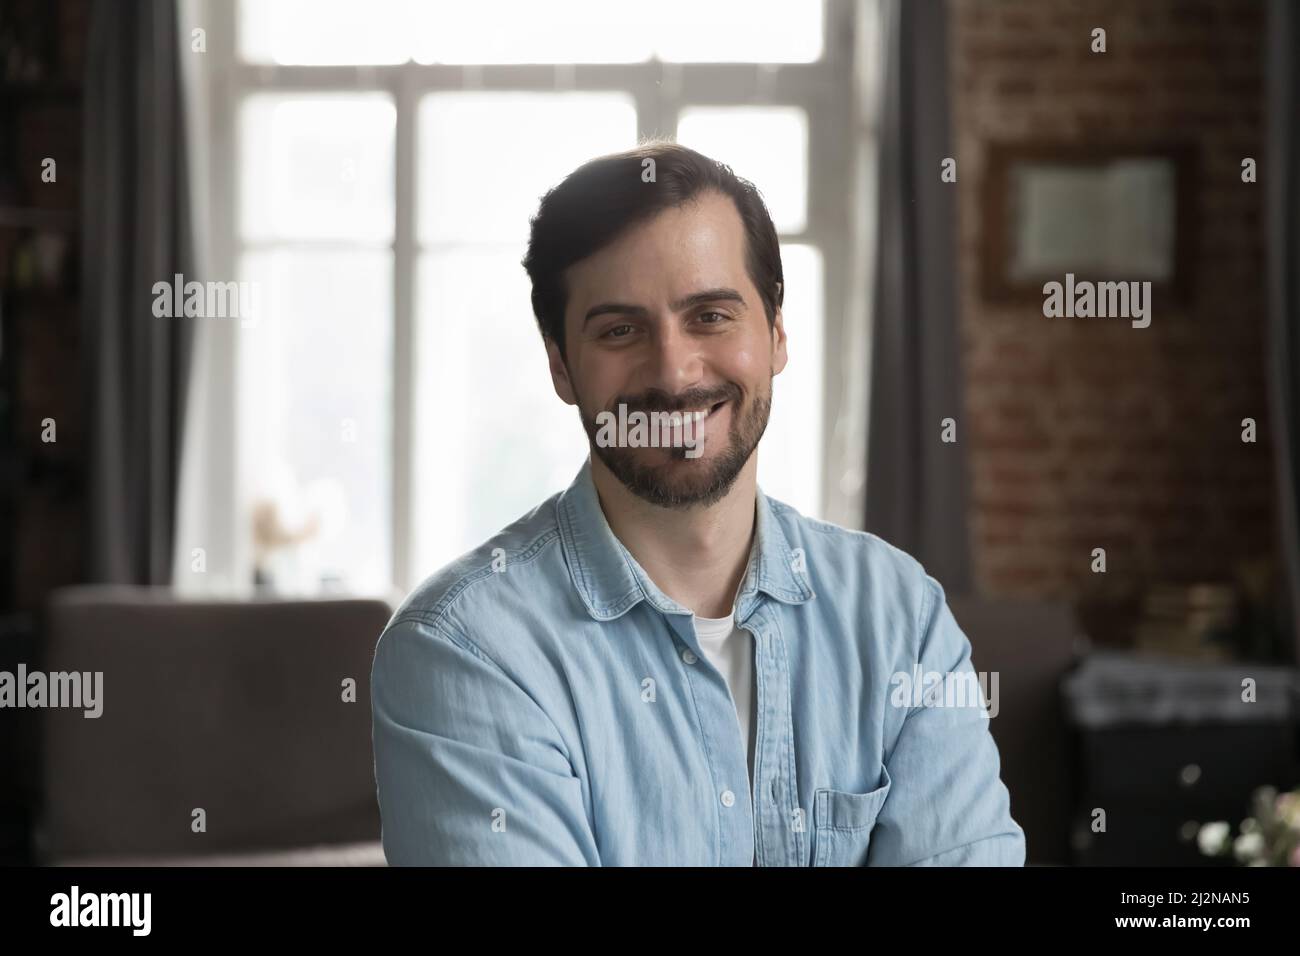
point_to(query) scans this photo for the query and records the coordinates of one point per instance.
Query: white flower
(1248, 845)
(1212, 836)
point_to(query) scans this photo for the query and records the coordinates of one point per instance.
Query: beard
(680, 482)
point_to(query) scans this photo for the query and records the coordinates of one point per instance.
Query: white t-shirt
(731, 651)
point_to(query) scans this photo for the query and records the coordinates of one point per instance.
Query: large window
(394, 403)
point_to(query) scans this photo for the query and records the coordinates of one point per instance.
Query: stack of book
(1187, 620)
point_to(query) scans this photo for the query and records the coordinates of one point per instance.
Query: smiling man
(661, 665)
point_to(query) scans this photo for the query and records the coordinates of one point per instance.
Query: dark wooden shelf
(56, 91)
(30, 217)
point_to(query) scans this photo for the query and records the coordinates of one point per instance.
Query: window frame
(841, 132)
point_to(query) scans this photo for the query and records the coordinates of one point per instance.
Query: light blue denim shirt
(540, 701)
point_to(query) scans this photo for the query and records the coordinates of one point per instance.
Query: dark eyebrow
(638, 311)
(708, 295)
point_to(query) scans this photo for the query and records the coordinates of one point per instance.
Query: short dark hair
(602, 198)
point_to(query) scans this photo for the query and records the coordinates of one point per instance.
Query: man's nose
(676, 361)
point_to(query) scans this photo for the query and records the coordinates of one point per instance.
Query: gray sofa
(236, 708)
(232, 708)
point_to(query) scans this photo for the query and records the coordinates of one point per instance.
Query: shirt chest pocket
(843, 821)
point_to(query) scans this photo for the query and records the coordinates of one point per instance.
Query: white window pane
(604, 31)
(316, 32)
(315, 412)
(492, 437)
(790, 454)
(766, 145)
(317, 166)
(746, 31)
(487, 158)
(529, 31)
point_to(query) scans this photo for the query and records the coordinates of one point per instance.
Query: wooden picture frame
(1073, 177)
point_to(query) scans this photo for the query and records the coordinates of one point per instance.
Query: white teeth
(696, 414)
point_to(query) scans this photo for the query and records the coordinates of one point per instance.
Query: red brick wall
(1087, 433)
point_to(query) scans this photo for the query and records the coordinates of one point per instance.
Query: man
(661, 665)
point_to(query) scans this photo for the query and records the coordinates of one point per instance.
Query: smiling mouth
(697, 415)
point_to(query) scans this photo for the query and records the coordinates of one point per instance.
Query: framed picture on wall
(1101, 213)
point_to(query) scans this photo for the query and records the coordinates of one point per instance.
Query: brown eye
(609, 333)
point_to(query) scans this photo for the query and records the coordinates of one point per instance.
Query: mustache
(656, 400)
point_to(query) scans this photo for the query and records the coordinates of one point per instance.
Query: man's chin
(663, 477)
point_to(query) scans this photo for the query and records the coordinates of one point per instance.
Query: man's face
(666, 319)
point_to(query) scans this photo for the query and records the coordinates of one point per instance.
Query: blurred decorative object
(1269, 837)
(27, 38)
(275, 546)
(293, 524)
(1183, 620)
(1229, 620)
(38, 260)
(1099, 212)
(49, 251)
(22, 271)
(1259, 631)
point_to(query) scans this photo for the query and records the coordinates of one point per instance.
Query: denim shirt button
(728, 798)
(689, 656)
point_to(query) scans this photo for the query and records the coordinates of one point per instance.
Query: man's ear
(779, 357)
(559, 373)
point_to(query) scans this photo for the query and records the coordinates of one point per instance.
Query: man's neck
(696, 556)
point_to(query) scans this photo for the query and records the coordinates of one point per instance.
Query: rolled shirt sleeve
(948, 805)
(470, 771)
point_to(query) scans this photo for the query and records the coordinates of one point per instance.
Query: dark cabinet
(1162, 746)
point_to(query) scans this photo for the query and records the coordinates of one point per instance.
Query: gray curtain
(135, 232)
(1278, 174)
(916, 485)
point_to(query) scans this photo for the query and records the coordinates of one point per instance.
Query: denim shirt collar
(610, 581)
